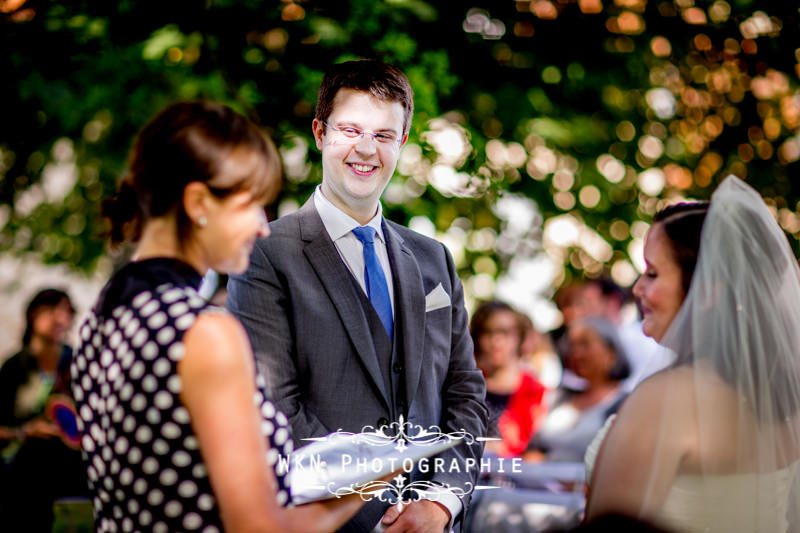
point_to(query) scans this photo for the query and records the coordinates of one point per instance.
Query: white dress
(723, 503)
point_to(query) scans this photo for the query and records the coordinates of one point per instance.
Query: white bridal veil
(738, 331)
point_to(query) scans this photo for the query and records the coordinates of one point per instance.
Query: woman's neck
(504, 379)
(160, 239)
(594, 394)
(46, 351)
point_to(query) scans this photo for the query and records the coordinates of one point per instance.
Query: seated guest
(595, 354)
(513, 394)
(43, 460)
(538, 354)
(177, 430)
(569, 300)
(603, 297)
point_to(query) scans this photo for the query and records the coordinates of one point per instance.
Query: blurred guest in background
(603, 297)
(513, 394)
(38, 436)
(538, 354)
(595, 354)
(569, 300)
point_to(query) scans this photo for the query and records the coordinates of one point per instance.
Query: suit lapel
(409, 306)
(332, 272)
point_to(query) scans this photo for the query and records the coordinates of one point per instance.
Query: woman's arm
(640, 456)
(217, 372)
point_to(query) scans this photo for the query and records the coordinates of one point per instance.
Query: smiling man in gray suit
(355, 320)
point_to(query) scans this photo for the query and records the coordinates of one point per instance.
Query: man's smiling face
(356, 171)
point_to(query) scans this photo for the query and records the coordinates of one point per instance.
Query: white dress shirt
(340, 226)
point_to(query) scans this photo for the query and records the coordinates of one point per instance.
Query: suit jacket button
(397, 368)
(382, 421)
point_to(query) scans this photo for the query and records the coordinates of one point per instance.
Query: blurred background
(546, 134)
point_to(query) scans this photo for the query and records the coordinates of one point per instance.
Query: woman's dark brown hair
(485, 311)
(46, 298)
(608, 334)
(186, 142)
(683, 224)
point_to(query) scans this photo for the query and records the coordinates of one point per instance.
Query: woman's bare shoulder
(216, 339)
(676, 382)
(663, 402)
(215, 322)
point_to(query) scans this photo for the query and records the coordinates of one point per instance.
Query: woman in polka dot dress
(177, 432)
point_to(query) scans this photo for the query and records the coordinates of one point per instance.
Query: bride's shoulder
(672, 381)
(683, 382)
(667, 395)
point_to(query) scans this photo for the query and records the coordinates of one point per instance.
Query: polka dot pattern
(142, 458)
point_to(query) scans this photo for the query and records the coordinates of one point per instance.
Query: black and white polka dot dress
(143, 463)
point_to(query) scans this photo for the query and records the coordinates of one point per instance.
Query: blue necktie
(377, 289)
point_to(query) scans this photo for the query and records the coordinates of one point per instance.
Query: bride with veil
(711, 443)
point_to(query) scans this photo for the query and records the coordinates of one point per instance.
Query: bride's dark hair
(186, 142)
(683, 224)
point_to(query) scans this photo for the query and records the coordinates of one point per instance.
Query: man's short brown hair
(383, 81)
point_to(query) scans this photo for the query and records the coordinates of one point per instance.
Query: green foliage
(577, 93)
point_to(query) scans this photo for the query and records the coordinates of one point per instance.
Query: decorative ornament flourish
(398, 433)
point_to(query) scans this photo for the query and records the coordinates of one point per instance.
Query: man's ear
(196, 198)
(405, 138)
(317, 127)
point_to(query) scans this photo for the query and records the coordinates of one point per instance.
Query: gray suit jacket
(313, 344)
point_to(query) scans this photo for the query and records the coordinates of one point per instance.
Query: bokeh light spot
(563, 180)
(625, 131)
(694, 15)
(651, 181)
(589, 196)
(660, 46)
(564, 200)
(619, 230)
(590, 6)
(551, 74)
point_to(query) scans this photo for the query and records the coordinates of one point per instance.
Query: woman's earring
(202, 221)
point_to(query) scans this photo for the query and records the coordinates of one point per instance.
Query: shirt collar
(337, 223)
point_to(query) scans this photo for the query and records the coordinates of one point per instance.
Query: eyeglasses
(354, 134)
(503, 332)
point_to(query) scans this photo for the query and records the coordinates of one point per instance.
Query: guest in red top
(514, 395)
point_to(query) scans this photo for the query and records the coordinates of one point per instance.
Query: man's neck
(360, 213)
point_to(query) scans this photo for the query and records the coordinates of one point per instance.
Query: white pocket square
(436, 299)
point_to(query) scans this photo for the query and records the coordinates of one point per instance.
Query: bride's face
(659, 290)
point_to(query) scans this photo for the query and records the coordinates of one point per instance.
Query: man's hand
(423, 516)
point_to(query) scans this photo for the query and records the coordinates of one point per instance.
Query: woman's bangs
(247, 169)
